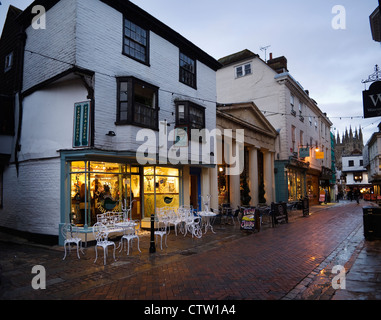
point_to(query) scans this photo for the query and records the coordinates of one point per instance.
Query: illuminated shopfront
(97, 187)
(93, 187)
(223, 186)
(296, 184)
(161, 188)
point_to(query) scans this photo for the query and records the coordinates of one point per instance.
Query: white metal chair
(70, 233)
(162, 229)
(130, 234)
(174, 218)
(193, 225)
(100, 233)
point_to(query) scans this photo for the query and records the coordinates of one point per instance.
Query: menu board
(248, 219)
(279, 211)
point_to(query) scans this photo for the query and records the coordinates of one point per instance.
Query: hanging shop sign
(372, 100)
(319, 155)
(304, 152)
(81, 124)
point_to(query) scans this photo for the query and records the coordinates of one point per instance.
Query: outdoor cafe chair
(193, 225)
(227, 212)
(100, 232)
(130, 234)
(162, 229)
(174, 219)
(70, 234)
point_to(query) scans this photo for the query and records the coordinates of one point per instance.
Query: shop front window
(161, 188)
(223, 186)
(98, 187)
(296, 185)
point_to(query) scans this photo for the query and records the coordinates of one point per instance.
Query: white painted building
(354, 173)
(372, 160)
(302, 126)
(130, 72)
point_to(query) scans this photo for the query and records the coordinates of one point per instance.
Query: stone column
(213, 174)
(253, 175)
(269, 176)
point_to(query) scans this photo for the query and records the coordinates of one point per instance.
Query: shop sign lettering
(81, 124)
(372, 100)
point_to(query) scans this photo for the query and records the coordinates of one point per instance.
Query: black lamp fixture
(111, 134)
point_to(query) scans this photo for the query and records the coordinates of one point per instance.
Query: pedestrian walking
(357, 196)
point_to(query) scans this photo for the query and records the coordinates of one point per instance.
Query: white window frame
(292, 100)
(244, 71)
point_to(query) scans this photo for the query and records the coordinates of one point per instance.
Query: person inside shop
(82, 207)
(106, 192)
(109, 202)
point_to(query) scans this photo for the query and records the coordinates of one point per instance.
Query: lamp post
(152, 248)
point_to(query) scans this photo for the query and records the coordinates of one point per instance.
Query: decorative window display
(161, 188)
(98, 187)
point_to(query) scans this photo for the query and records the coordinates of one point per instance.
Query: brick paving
(291, 262)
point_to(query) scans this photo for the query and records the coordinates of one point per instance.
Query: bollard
(152, 248)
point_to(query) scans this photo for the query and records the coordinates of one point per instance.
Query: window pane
(123, 91)
(135, 42)
(187, 70)
(239, 72)
(248, 69)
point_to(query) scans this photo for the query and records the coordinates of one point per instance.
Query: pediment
(246, 115)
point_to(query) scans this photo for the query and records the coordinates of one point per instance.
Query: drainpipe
(20, 66)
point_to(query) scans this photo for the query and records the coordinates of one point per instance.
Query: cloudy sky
(327, 55)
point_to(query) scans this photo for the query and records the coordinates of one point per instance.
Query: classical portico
(259, 155)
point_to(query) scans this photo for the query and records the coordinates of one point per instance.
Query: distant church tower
(350, 143)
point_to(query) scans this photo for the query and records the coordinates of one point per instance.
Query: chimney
(278, 64)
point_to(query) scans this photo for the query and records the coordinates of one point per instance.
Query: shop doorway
(195, 188)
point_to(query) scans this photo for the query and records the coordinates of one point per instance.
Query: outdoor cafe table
(125, 225)
(207, 215)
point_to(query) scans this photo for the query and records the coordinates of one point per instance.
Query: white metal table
(208, 215)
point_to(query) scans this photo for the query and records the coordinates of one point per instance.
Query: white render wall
(90, 35)
(351, 179)
(99, 48)
(31, 200)
(57, 41)
(374, 156)
(47, 124)
(273, 95)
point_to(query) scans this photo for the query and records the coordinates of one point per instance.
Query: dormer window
(243, 70)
